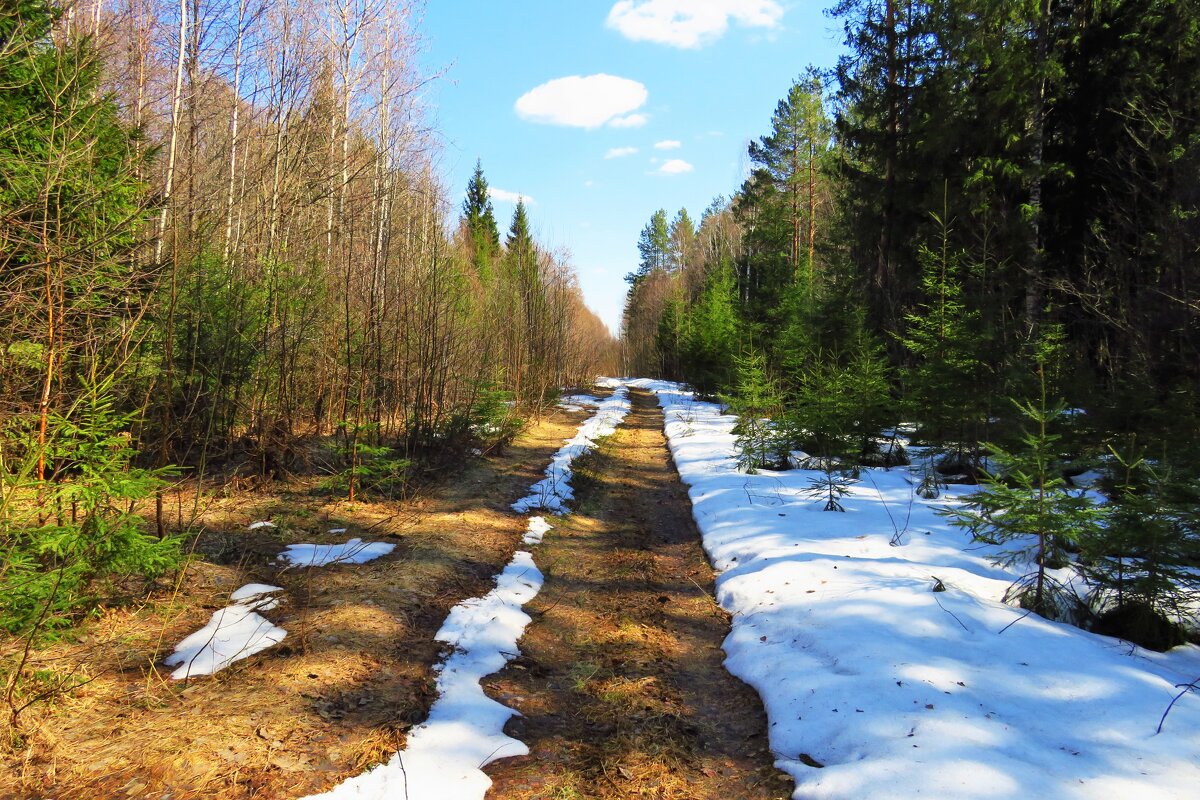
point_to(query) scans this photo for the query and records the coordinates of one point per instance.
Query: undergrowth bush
(68, 541)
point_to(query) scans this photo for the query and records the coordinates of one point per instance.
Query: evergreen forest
(979, 229)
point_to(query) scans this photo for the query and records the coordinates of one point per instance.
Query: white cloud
(668, 144)
(629, 121)
(620, 152)
(689, 23)
(589, 184)
(582, 102)
(505, 196)
(676, 166)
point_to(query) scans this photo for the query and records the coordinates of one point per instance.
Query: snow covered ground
(465, 730)
(577, 402)
(355, 551)
(233, 633)
(901, 691)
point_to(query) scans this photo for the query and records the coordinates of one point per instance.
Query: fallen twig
(1187, 687)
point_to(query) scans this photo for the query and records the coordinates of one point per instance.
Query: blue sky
(660, 101)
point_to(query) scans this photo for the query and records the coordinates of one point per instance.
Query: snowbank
(901, 691)
(355, 551)
(235, 632)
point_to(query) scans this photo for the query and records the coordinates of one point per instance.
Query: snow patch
(255, 591)
(233, 633)
(355, 551)
(253, 526)
(538, 528)
(578, 402)
(464, 731)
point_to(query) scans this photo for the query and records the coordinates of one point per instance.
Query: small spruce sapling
(369, 466)
(494, 420)
(831, 485)
(756, 402)
(1137, 563)
(943, 389)
(57, 566)
(1026, 507)
(72, 542)
(824, 420)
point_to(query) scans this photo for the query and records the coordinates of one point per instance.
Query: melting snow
(552, 492)
(465, 729)
(900, 691)
(235, 632)
(256, 525)
(538, 527)
(578, 402)
(354, 551)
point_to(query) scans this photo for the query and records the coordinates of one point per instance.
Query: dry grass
(337, 695)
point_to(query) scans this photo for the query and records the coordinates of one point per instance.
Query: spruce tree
(757, 404)
(60, 566)
(480, 220)
(943, 388)
(1026, 507)
(710, 340)
(71, 210)
(1139, 563)
(681, 236)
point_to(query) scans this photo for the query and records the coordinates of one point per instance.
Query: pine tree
(654, 248)
(788, 161)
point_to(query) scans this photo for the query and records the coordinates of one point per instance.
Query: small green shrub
(67, 541)
(757, 400)
(1025, 505)
(367, 466)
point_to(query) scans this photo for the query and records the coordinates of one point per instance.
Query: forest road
(620, 682)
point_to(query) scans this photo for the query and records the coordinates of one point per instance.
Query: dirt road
(620, 680)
